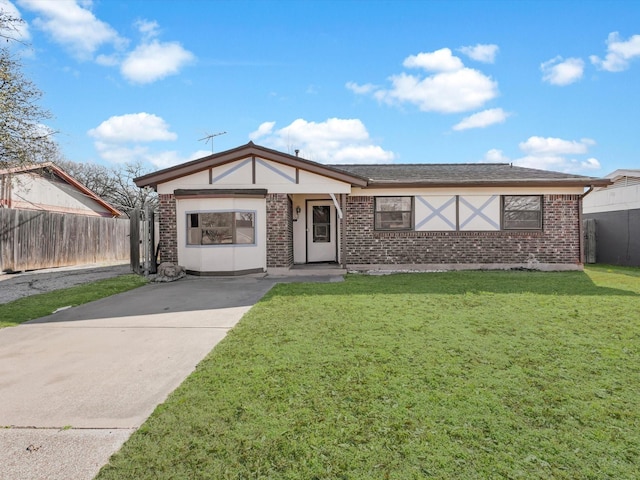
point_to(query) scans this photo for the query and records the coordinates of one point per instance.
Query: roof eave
(596, 182)
(202, 164)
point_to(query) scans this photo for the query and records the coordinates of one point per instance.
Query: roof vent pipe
(297, 151)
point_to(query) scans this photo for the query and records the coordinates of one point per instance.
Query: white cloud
(550, 154)
(450, 88)
(495, 156)
(155, 60)
(73, 26)
(126, 139)
(557, 163)
(363, 154)
(148, 28)
(481, 53)
(562, 72)
(448, 92)
(361, 89)
(133, 127)
(108, 60)
(335, 140)
(21, 32)
(265, 128)
(439, 61)
(555, 146)
(168, 158)
(482, 119)
(120, 154)
(619, 53)
(590, 164)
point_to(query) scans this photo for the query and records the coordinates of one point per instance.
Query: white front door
(321, 231)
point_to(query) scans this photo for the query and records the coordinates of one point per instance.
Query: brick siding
(279, 231)
(168, 229)
(557, 243)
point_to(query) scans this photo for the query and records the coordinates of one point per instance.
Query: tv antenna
(209, 138)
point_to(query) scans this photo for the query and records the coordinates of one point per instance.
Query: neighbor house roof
(65, 177)
(632, 172)
(389, 175)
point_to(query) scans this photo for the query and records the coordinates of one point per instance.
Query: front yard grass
(465, 375)
(40, 305)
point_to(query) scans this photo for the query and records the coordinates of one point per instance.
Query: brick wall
(558, 242)
(168, 230)
(279, 231)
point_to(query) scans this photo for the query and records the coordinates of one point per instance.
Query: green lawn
(462, 375)
(36, 306)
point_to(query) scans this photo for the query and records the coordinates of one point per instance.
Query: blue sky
(543, 84)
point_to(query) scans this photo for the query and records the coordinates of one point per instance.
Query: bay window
(221, 228)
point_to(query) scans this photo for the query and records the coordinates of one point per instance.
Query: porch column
(279, 231)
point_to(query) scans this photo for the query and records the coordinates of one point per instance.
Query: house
(254, 209)
(48, 219)
(45, 186)
(616, 212)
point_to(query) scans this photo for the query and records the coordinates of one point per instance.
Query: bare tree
(10, 26)
(97, 178)
(115, 185)
(126, 196)
(24, 138)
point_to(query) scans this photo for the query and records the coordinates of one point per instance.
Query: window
(221, 228)
(522, 212)
(321, 224)
(393, 213)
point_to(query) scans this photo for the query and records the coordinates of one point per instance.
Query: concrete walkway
(76, 384)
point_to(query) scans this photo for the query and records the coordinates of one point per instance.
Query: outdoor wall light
(298, 210)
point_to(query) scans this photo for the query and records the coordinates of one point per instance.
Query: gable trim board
(457, 215)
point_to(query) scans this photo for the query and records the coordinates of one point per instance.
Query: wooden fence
(589, 240)
(31, 240)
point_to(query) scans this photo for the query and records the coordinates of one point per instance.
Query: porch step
(308, 270)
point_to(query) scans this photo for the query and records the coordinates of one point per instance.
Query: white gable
(33, 191)
(256, 172)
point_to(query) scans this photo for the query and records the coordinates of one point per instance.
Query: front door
(321, 231)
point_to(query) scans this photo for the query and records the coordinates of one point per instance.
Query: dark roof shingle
(442, 174)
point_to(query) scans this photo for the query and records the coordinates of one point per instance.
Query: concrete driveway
(76, 384)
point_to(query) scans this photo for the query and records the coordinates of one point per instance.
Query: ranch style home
(254, 209)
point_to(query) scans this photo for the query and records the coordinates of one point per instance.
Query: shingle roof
(443, 174)
(389, 175)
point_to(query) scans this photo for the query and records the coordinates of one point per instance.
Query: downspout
(581, 227)
(337, 205)
(343, 225)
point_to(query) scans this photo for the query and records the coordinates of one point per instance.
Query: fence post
(153, 267)
(590, 240)
(134, 237)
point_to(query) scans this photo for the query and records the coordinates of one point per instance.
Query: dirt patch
(18, 285)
